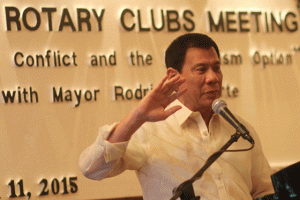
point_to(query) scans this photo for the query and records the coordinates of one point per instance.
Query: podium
(286, 184)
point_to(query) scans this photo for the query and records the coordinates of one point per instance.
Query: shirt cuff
(112, 151)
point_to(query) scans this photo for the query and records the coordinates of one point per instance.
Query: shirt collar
(184, 113)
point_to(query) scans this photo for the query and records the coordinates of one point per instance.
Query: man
(170, 134)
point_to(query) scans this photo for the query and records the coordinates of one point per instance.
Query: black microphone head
(218, 104)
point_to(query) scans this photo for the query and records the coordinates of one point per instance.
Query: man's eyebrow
(217, 62)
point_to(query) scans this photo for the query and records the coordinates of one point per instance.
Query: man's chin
(209, 100)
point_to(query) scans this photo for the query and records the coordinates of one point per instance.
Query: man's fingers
(162, 82)
(176, 95)
(172, 85)
(172, 110)
(169, 84)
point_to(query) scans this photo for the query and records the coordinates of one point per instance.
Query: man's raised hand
(150, 109)
(153, 105)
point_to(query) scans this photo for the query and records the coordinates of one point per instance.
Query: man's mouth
(212, 91)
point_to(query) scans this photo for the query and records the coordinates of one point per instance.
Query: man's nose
(211, 76)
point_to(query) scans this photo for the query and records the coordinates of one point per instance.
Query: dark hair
(175, 54)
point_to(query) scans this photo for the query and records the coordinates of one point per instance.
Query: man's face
(203, 75)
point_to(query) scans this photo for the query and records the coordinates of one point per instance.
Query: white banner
(69, 67)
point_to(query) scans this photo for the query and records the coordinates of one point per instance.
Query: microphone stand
(185, 190)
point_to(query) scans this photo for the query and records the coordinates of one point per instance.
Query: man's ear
(171, 72)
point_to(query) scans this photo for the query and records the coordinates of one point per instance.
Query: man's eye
(217, 68)
(202, 69)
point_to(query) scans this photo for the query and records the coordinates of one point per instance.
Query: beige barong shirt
(166, 153)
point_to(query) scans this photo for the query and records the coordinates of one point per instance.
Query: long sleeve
(103, 159)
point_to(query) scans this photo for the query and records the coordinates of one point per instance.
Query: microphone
(219, 106)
